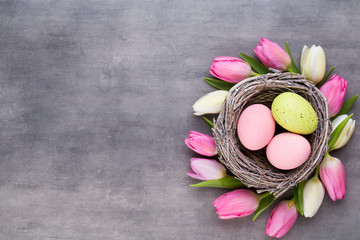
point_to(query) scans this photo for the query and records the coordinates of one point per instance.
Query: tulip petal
(195, 175)
(339, 188)
(328, 184)
(195, 134)
(226, 58)
(230, 69)
(317, 64)
(206, 169)
(201, 143)
(282, 218)
(304, 54)
(286, 227)
(201, 146)
(335, 123)
(337, 132)
(333, 176)
(313, 63)
(258, 52)
(243, 214)
(275, 222)
(313, 196)
(272, 55)
(334, 90)
(345, 134)
(188, 143)
(210, 103)
(238, 203)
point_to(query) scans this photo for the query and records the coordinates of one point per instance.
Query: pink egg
(288, 151)
(256, 127)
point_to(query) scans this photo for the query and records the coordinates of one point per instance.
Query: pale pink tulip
(334, 90)
(332, 174)
(230, 69)
(201, 143)
(206, 169)
(281, 219)
(238, 203)
(272, 55)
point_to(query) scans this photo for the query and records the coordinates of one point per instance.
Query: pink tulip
(332, 174)
(238, 203)
(281, 219)
(206, 169)
(272, 55)
(201, 143)
(230, 69)
(334, 90)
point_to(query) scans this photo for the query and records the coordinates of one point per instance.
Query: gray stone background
(95, 101)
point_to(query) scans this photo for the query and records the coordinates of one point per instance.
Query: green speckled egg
(294, 113)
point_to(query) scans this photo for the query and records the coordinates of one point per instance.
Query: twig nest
(252, 167)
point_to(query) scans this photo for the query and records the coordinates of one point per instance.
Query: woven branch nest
(252, 167)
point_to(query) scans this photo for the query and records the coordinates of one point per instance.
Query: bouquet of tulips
(329, 174)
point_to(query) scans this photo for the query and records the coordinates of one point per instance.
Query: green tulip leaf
(219, 84)
(255, 64)
(293, 67)
(347, 106)
(265, 202)
(208, 122)
(336, 133)
(298, 195)
(226, 182)
(325, 77)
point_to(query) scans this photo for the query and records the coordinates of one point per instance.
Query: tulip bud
(313, 195)
(230, 69)
(332, 174)
(313, 63)
(201, 143)
(334, 90)
(272, 55)
(206, 169)
(210, 103)
(238, 203)
(346, 133)
(281, 219)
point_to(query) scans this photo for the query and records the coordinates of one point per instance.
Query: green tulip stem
(264, 195)
(293, 198)
(317, 171)
(291, 71)
(255, 74)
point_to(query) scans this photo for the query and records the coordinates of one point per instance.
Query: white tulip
(346, 133)
(313, 196)
(210, 103)
(313, 63)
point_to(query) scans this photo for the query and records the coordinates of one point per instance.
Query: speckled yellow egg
(294, 113)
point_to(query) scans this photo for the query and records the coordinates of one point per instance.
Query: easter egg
(294, 113)
(256, 126)
(288, 151)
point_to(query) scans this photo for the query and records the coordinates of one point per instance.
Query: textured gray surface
(95, 101)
